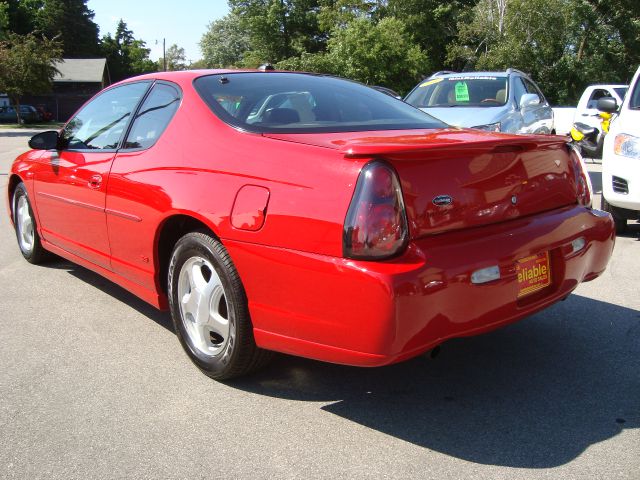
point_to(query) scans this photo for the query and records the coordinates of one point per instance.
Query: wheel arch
(14, 181)
(169, 232)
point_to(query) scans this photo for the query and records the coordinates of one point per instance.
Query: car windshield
(279, 102)
(621, 91)
(460, 91)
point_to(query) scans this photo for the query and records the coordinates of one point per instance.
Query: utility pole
(164, 55)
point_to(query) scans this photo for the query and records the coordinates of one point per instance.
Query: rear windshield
(634, 101)
(460, 91)
(278, 102)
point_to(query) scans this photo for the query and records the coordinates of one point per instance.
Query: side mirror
(607, 104)
(529, 100)
(45, 140)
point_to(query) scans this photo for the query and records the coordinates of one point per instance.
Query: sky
(180, 22)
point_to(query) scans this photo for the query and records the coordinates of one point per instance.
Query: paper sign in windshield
(462, 92)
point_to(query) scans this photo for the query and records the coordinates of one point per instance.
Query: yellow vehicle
(590, 139)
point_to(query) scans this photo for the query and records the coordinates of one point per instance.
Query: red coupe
(306, 214)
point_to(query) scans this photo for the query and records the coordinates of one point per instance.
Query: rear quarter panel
(197, 168)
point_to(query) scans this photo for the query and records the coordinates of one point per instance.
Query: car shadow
(632, 231)
(535, 394)
(161, 318)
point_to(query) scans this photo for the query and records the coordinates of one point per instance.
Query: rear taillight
(376, 223)
(581, 177)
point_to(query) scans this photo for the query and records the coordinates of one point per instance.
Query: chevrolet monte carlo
(306, 214)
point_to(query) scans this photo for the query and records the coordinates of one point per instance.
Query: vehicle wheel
(588, 151)
(619, 221)
(26, 228)
(209, 309)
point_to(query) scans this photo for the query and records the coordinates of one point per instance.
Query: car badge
(557, 162)
(514, 199)
(442, 200)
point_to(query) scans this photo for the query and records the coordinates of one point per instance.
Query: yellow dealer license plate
(534, 273)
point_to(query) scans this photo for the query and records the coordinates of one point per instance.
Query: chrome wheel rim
(203, 307)
(24, 223)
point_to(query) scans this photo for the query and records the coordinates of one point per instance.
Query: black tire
(32, 249)
(619, 220)
(217, 357)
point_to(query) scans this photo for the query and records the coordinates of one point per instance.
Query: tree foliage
(225, 42)
(376, 53)
(4, 20)
(563, 44)
(27, 65)
(72, 22)
(175, 59)
(126, 55)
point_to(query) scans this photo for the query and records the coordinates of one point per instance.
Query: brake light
(376, 224)
(581, 177)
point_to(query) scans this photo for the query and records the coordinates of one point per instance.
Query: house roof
(88, 70)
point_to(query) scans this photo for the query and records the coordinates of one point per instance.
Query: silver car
(496, 101)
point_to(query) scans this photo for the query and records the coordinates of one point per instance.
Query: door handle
(95, 181)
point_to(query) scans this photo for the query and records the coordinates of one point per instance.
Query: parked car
(28, 114)
(337, 223)
(621, 156)
(388, 91)
(586, 111)
(495, 101)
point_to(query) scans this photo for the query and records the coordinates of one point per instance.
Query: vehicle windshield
(460, 91)
(279, 102)
(621, 91)
(634, 101)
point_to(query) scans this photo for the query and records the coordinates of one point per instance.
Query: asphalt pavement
(93, 384)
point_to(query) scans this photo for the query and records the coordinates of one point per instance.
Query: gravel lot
(93, 384)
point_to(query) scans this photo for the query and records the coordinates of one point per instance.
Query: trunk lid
(453, 179)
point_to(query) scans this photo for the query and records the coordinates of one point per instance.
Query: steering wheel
(487, 100)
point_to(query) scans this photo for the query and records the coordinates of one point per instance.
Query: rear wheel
(209, 309)
(619, 220)
(26, 228)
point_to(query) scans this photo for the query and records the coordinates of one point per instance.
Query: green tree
(27, 65)
(72, 22)
(126, 56)
(563, 44)
(4, 19)
(176, 59)
(432, 24)
(225, 42)
(375, 53)
(278, 29)
(22, 15)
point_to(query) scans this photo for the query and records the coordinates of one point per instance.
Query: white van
(621, 161)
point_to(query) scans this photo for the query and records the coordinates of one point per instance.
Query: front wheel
(209, 309)
(25, 226)
(620, 221)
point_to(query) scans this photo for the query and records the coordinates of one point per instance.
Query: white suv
(621, 161)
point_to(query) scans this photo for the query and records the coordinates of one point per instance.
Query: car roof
(472, 74)
(187, 76)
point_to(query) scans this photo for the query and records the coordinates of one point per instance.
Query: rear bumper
(376, 313)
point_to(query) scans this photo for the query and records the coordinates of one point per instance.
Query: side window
(597, 94)
(153, 117)
(100, 124)
(531, 88)
(518, 89)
